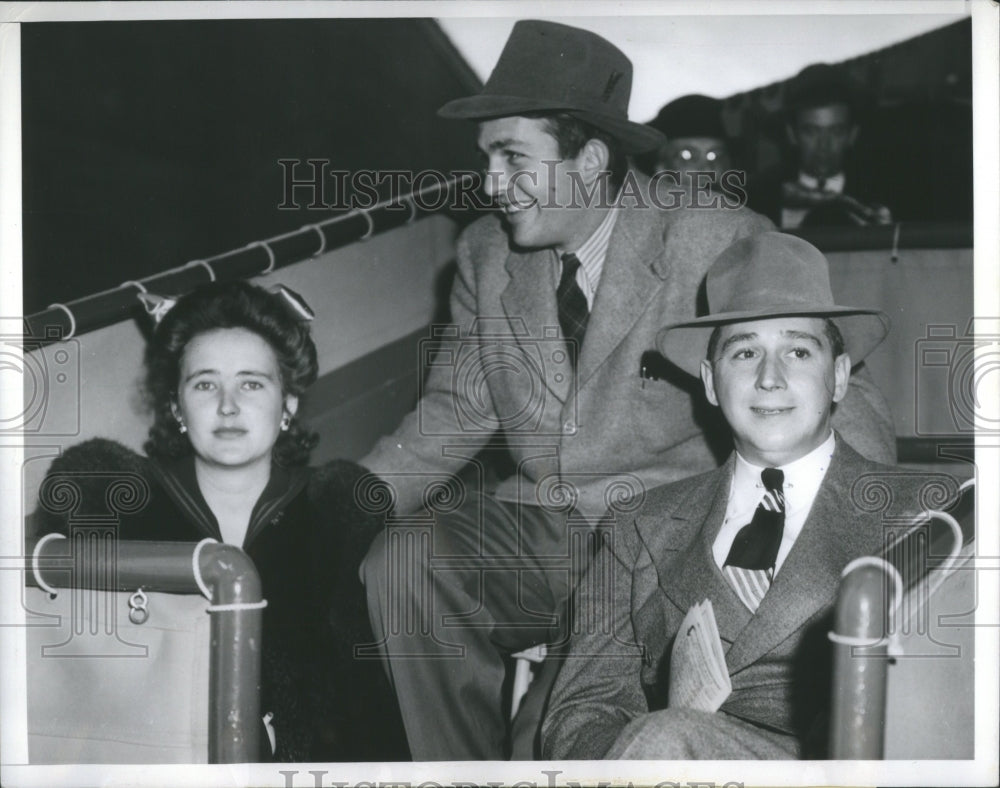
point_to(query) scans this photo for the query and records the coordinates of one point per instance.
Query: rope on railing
(64, 321)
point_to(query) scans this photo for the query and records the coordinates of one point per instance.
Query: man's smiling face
(527, 174)
(776, 381)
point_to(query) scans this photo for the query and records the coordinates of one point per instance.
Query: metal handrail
(858, 703)
(64, 321)
(863, 622)
(234, 720)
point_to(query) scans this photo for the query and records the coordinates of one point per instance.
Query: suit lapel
(681, 545)
(629, 280)
(831, 536)
(530, 305)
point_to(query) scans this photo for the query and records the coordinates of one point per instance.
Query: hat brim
(686, 344)
(633, 137)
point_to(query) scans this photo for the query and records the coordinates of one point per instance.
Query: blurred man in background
(823, 187)
(697, 154)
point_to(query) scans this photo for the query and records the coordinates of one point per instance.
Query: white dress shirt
(793, 217)
(803, 478)
(834, 184)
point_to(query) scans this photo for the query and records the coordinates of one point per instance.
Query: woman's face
(229, 397)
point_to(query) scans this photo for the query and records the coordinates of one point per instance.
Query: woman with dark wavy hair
(236, 307)
(227, 459)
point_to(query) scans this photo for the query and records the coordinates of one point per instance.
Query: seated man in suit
(555, 308)
(764, 537)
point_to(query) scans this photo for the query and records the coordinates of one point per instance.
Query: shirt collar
(181, 483)
(802, 477)
(835, 183)
(594, 250)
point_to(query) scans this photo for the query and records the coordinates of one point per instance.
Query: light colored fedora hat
(548, 67)
(763, 276)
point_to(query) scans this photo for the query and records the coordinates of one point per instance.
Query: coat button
(569, 428)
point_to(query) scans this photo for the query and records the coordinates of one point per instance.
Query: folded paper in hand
(699, 678)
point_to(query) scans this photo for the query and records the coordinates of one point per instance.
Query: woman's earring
(286, 422)
(181, 426)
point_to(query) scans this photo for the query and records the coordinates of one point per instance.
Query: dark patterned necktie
(749, 567)
(572, 304)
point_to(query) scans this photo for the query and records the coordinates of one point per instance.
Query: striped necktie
(572, 304)
(749, 567)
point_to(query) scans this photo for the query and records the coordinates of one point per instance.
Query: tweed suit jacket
(661, 564)
(599, 425)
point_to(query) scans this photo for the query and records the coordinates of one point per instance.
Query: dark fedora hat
(693, 115)
(548, 67)
(770, 275)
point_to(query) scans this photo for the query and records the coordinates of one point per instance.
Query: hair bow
(157, 306)
(295, 303)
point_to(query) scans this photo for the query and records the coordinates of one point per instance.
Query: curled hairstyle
(236, 304)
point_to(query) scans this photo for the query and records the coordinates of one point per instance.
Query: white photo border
(13, 736)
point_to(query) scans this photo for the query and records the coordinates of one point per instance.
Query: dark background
(915, 114)
(148, 144)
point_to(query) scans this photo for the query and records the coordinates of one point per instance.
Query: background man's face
(776, 381)
(705, 154)
(526, 173)
(824, 137)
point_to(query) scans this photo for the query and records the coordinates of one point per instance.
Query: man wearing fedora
(556, 304)
(764, 537)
